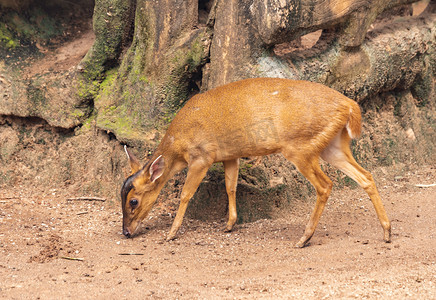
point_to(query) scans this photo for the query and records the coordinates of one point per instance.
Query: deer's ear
(133, 161)
(157, 168)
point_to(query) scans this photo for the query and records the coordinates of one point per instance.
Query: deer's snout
(127, 233)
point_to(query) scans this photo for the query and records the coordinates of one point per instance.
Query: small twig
(425, 185)
(130, 253)
(71, 258)
(86, 199)
(9, 198)
(82, 213)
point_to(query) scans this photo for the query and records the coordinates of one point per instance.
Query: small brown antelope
(302, 120)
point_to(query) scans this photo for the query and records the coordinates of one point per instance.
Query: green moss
(116, 120)
(120, 116)
(185, 62)
(7, 39)
(88, 123)
(77, 113)
(109, 37)
(86, 90)
(142, 95)
(122, 104)
(106, 85)
(27, 27)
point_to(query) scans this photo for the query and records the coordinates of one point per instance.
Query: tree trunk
(174, 55)
(149, 57)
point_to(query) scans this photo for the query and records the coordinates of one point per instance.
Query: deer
(302, 120)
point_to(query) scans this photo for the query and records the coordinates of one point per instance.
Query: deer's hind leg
(310, 168)
(338, 153)
(231, 170)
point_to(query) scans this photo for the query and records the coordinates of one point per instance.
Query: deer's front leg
(196, 172)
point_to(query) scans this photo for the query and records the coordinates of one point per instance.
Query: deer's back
(260, 116)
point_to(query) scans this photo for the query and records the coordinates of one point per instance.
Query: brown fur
(254, 117)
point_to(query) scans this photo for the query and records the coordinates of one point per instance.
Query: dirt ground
(55, 248)
(347, 258)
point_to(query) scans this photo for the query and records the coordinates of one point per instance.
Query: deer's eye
(133, 203)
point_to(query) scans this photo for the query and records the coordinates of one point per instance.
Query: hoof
(228, 228)
(303, 242)
(170, 237)
(300, 245)
(387, 236)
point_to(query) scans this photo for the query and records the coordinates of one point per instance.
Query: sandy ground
(347, 257)
(54, 248)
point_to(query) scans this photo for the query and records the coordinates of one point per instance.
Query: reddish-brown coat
(253, 117)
